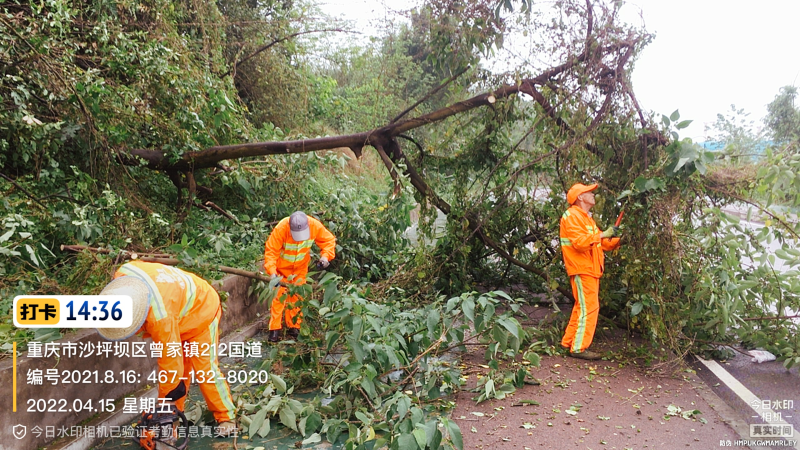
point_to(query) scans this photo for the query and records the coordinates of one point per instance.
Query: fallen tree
(496, 163)
(597, 75)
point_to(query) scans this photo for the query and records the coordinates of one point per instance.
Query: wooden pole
(163, 258)
(79, 248)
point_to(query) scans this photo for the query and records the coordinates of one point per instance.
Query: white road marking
(747, 396)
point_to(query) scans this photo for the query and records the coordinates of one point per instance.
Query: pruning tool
(619, 218)
(159, 430)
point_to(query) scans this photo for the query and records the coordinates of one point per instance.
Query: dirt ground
(615, 403)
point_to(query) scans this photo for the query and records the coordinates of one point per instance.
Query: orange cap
(578, 189)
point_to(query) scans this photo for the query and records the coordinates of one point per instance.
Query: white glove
(323, 263)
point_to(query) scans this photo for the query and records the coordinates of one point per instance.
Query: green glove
(610, 232)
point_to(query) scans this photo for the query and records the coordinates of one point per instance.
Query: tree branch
(277, 41)
(772, 317)
(209, 157)
(31, 196)
(473, 222)
(429, 94)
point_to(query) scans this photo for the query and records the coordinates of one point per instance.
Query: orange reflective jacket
(581, 244)
(285, 256)
(182, 305)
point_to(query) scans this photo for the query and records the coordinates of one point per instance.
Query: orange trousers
(212, 382)
(286, 305)
(583, 321)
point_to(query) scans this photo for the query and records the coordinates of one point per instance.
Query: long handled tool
(619, 218)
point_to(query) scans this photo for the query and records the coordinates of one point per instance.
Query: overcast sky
(707, 54)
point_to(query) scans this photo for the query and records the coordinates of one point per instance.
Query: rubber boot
(274, 335)
(589, 355)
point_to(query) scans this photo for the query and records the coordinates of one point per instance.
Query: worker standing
(582, 246)
(174, 307)
(287, 253)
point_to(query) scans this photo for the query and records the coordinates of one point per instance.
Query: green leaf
(288, 418)
(358, 350)
(683, 124)
(258, 421)
(47, 334)
(363, 417)
(455, 433)
(732, 218)
(489, 388)
(330, 291)
(674, 116)
(264, 430)
(436, 440)
(331, 339)
(369, 387)
(624, 194)
(433, 321)
(636, 309)
(421, 437)
(403, 404)
(274, 403)
(407, 442)
(510, 326)
(488, 312)
(314, 422)
(280, 385)
(416, 415)
(33, 254)
(533, 358)
(313, 439)
(469, 308)
(296, 406)
(506, 388)
(681, 162)
(335, 430)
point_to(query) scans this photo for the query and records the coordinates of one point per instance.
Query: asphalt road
(768, 382)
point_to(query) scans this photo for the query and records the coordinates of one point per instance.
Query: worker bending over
(173, 307)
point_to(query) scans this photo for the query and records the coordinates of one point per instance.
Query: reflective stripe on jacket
(285, 256)
(581, 244)
(182, 305)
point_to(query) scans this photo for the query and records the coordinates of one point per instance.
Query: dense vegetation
(94, 92)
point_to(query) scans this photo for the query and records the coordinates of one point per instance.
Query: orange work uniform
(184, 308)
(582, 249)
(289, 259)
